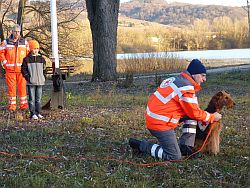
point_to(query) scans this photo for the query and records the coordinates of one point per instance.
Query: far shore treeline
(222, 31)
(134, 35)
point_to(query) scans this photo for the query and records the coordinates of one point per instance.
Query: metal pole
(55, 57)
(58, 94)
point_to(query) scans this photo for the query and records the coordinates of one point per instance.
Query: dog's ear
(220, 93)
(226, 93)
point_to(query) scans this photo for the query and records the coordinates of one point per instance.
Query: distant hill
(177, 13)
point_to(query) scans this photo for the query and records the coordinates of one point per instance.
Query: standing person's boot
(12, 114)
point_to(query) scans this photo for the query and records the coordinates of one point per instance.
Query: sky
(210, 2)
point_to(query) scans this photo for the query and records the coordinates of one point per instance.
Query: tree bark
(1, 32)
(103, 18)
(20, 14)
(248, 16)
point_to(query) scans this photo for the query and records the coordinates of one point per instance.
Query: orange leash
(107, 158)
(204, 143)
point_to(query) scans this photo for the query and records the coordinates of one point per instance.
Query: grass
(97, 124)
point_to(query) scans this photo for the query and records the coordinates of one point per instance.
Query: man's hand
(217, 116)
(3, 62)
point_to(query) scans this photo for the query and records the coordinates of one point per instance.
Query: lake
(202, 54)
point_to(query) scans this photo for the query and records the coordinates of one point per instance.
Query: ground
(76, 144)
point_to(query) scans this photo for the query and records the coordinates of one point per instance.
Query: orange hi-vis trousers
(16, 80)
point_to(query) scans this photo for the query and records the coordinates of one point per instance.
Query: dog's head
(221, 99)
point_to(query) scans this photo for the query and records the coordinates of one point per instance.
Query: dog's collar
(203, 125)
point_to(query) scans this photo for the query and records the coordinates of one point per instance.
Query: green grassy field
(99, 120)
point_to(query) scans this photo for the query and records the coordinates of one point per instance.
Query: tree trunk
(1, 24)
(20, 14)
(248, 16)
(103, 18)
(1, 32)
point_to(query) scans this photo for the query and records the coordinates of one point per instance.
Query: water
(203, 54)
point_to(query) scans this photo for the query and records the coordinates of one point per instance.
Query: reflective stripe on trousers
(156, 151)
(16, 81)
(168, 149)
(188, 133)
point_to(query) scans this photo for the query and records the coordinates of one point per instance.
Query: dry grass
(151, 64)
(134, 65)
(225, 62)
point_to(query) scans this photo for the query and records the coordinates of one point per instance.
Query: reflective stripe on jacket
(174, 98)
(12, 54)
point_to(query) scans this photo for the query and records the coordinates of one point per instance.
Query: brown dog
(212, 146)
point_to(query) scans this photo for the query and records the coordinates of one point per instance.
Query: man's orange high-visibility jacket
(12, 54)
(174, 98)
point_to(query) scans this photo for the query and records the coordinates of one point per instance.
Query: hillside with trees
(180, 27)
(225, 29)
(177, 13)
(142, 36)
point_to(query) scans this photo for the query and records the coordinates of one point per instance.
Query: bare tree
(38, 26)
(5, 8)
(103, 18)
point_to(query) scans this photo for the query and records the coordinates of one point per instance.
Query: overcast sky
(210, 2)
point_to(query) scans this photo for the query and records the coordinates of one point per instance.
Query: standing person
(33, 71)
(12, 52)
(174, 99)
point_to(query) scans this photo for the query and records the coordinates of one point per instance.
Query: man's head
(197, 70)
(16, 30)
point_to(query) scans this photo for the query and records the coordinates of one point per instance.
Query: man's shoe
(34, 117)
(40, 116)
(12, 114)
(135, 144)
(24, 109)
(186, 150)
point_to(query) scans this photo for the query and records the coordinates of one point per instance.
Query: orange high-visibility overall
(11, 56)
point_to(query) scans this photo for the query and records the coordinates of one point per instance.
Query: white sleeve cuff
(4, 62)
